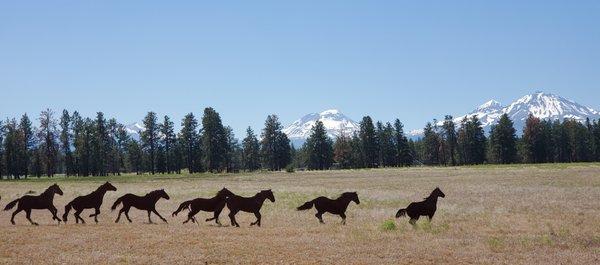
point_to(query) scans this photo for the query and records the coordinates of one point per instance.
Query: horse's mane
(430, 195)
(346, 195)
(47, 190)
(153, 192)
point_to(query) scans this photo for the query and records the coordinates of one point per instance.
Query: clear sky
(248, 59)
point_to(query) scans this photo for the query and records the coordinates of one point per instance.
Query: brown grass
(522, 215)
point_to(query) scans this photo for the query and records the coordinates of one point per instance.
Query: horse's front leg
(232, 218)
(96, 214)
(343, 215)
(28, 214)
(149, 220)
(160, 216)
(257, 222)
(54, 211)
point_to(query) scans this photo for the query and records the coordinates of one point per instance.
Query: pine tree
(471, 141)
(431, 142)
(357, 152)
(101, 146)
(342, 151)
(596, 138)
(136, 156)
(450, 138)
(533, 140)
(319, 147)
(275, 146)
(368, 140)
(150, 139)
(386, 142)
(233, 152)
(11, 149)
(190, 143)
(503, 141)
(28, 144)
(251, 151)
(65, 141)
(214, 141)
(121, 141)
(48, 139)
(2, 163)
(168, 142)
(403, 154)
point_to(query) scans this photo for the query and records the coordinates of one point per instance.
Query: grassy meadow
(521, 214)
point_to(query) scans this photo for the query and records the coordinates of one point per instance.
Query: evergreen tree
(12, 148)
(28, 144)
(168, 142)
(190, 143)
(275, 146)
(150, 139)
(2, 163)
(319, 147)
(342, 151)
(533, 140)
(233, 152)
(101, 146)
(121, 141)
(403, 153)
(431, 142)
(368, 139)
(503, 141)
(136, 156)
(65, 141)
(251, 151)
(450, 139)
(357, 152)
(471, 141)
(214, 141)
(48, 138)
(387, 146)
(596, 138)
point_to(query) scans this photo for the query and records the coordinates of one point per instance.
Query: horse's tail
(182, 206)
(307, 205)
(12, 204)
(117, 202)
(401, 212)
(67, 209)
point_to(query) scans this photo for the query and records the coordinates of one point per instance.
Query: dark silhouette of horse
(252, 204)
(214, 204)
(326, 205)
(423, 208)
(90, 201)
(42, 201)
(146, 202)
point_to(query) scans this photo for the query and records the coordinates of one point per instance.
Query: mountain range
(542, 105)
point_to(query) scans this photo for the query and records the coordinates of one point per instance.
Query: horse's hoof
(36, 224)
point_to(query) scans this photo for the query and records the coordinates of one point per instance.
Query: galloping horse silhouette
(42, 201)
(326, 205)
(146, 202)
(252, 204)
(214, 204)
(92, 200)
(423, 208)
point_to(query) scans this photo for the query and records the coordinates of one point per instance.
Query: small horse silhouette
(252, 204)
(90, 201)
(42, 201)
(423, 208)
(326, 205)
(146, 202)
(214, 204)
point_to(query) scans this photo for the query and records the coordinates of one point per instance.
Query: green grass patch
(495, 244)
(388, 225)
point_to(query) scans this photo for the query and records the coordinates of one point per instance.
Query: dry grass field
(548, 214)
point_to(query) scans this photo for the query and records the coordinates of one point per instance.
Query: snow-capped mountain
(541, 105)
(334, 121)
(135, 130)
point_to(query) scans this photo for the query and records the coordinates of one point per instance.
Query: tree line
(76, 146)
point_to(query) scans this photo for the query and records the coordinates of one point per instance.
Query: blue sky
(249, 59)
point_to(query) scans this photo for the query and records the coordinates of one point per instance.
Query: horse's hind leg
(54, 211)
(28, 214)
(319, 216)
(12, 219)
(191, 216)
(216, 216)
(119, 216)
(126, 210)
(413, 221)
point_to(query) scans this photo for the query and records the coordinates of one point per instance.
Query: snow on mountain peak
(334, 121)
(490, 105)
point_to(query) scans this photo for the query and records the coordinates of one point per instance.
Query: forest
(71, 145)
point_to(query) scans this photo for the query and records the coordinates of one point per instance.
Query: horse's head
(268, 194)
(353, 196)
(438, 193)
(56, 189)
(224, 193)
(163, 194)
(108, 186)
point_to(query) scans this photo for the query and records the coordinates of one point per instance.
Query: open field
(492, 214)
